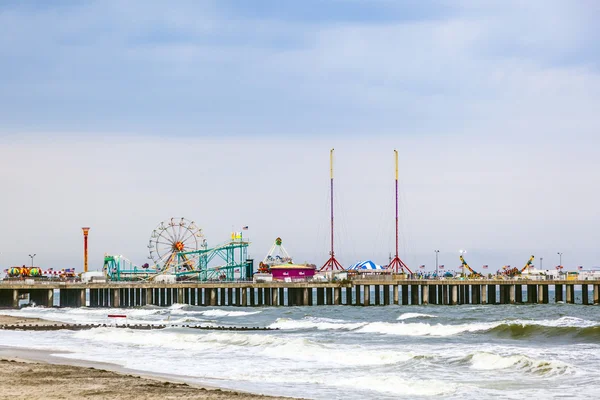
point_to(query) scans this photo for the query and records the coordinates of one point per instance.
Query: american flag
(485, 267)
(580, 267)
(245, 228)
(422, 266)
(441, 267)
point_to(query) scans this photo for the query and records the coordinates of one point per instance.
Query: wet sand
(35, 374)
(10, 320)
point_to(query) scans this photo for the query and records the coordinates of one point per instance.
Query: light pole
(559, 259)
(541, 263)
(560, 267)
(436, 264)
(32, 258)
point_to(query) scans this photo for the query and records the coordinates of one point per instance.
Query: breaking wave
(491, 361)
(414, 315)
(522, 331)
(564, 326)
(315, 323)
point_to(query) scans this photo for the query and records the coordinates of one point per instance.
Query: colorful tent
(366, 266)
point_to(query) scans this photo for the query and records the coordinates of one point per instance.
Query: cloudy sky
(119, 115)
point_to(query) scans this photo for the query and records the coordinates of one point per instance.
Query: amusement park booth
(293, 272)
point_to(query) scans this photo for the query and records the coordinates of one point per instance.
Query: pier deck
(359, 292)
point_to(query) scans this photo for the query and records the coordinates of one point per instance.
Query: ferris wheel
(174, 236)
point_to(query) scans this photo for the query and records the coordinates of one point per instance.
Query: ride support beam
(377, 295)
(395, 289)
(366, 295)
(484, 294)
(585, 295)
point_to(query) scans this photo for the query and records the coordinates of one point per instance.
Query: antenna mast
(332, 263)
(397, 265)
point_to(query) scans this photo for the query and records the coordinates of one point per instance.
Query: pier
(361, 292)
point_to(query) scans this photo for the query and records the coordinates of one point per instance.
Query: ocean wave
(375, 384)
(414, 315)
(315, 323)
(423, 329)
(184, 309)
(521, 331)
(522, 363)
(224, 313)
(400, 386)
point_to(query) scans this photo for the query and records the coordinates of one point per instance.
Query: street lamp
(541, 263)
(559, 259)
(32, 259)
(436, 264)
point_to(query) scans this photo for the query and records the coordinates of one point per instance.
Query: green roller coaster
(179, 251)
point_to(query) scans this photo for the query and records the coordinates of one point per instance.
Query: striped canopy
(366, 265)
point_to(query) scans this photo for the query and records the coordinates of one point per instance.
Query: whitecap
(414, 315)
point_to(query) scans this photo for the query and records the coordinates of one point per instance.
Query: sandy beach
(34, 374)
(10, 320)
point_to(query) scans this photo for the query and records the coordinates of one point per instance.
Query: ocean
(325, 352)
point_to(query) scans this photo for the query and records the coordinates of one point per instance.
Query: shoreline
(33, 373)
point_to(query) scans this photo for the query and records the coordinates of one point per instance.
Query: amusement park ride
(179, 249)
(464, 265)
(277, 255)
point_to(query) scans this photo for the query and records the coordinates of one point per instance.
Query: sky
(119, 115)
